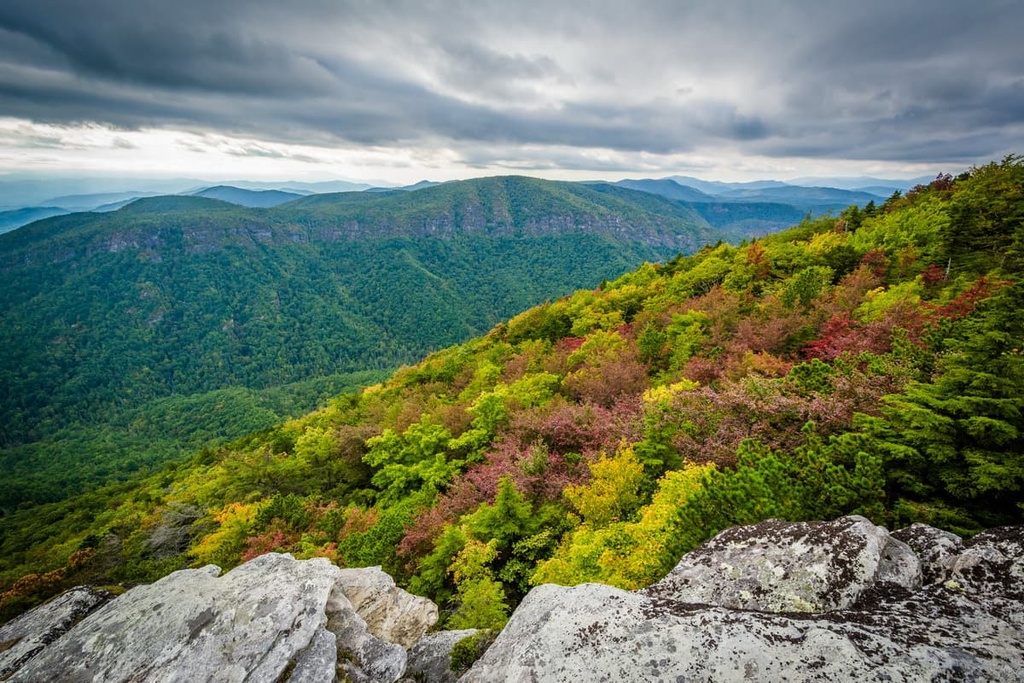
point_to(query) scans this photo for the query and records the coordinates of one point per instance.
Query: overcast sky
(401, 91)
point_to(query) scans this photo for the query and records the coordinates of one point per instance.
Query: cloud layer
(910, 82)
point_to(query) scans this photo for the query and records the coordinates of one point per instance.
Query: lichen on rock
(791, 567)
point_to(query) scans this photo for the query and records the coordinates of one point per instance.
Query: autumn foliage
(870, 364)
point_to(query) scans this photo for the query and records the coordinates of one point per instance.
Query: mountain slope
(185, 295)
(508, 206)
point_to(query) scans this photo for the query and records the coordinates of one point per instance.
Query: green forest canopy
(119, 325)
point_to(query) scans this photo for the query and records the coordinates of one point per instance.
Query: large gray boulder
(791, 567)
(880, 626)
(936, 549)
(271, 619)
(837, 601)
(992, 564)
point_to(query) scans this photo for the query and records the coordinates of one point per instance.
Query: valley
(109, 318)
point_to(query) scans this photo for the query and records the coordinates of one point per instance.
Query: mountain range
(278, 296)
(773, 203)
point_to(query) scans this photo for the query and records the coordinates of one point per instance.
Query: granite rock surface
(827, 601)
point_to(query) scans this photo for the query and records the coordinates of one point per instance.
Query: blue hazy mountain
(715, 187)
(406, 188)
(802, 196)
(251, 198)
(10, 220)
(666, 187)
(89, 202)
(883, 186)
(735, 216)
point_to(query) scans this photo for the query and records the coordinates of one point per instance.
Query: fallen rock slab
(360, 653)
(391, 613)
(431, 658)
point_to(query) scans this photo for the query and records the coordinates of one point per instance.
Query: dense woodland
(865, 363)
(120, 330)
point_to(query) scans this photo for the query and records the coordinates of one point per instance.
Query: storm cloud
(916, 81)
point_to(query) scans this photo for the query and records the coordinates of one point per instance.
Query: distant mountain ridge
(668, 187)
(11, 220)
(803, 196)
(862, 183)
(16, 195)
(799, 196)
(751, 208)
(249, 198)
(714, 187)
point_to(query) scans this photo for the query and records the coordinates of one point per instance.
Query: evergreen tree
(960, 437)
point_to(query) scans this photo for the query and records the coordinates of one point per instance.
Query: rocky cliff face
(829, 601)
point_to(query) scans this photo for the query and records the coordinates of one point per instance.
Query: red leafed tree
(965, 303)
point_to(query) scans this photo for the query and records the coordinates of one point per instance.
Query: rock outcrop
(271, 619)
(836, 601)
(825, 601)
(791, 567)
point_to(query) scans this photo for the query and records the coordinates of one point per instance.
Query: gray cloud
(927, 80)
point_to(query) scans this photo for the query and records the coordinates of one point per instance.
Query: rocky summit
(777, 601)
(828, 601)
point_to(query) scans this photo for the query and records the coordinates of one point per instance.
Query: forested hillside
(868, 363)
(116, 323)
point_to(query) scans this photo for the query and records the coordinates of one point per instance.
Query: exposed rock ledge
(835, 601)
(272, 619)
